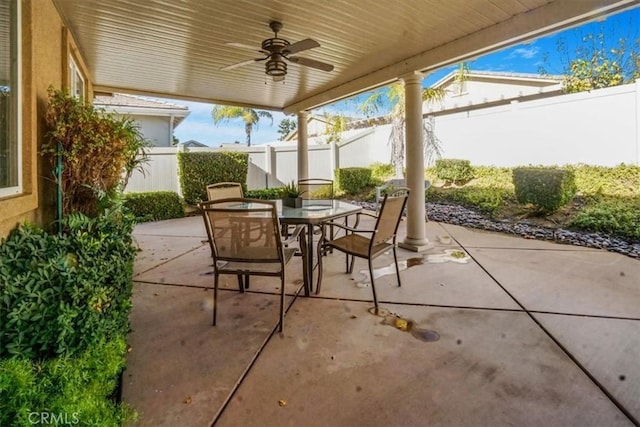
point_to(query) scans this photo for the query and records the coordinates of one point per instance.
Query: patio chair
(374, 242)
(224, 190)
(249, 245)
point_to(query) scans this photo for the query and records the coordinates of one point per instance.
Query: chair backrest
(243, 230)
(390, 214)
(316, 188)
(224, 190)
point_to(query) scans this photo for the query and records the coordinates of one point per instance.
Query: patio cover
(176, 49)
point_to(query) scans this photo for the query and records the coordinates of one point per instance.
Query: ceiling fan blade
(311, 63)
(240, 64)
(302, 45)
(242, 46)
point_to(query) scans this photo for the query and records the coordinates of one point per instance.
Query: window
(76, 81)
(10, 162)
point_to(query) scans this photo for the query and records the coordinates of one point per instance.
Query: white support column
(303, 146)
(416, 239)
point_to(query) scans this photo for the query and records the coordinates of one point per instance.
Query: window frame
(75, 77)
(17, 189)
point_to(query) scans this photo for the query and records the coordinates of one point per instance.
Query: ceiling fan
(277, 52)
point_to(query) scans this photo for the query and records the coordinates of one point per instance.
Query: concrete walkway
(531, 333)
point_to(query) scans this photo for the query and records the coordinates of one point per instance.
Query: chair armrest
(344, 227)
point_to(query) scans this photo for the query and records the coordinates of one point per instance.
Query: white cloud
(525, 52)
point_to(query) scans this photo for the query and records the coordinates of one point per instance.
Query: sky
(524, 58)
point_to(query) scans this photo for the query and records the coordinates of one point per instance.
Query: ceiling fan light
(275, 67)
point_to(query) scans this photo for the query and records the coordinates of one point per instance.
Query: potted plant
(291, 195)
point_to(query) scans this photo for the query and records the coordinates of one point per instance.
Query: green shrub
(615, 216)
(620, 181)
(548, 188)
(77, 387)
(486, 199)
(381, 172)
(61, 293)
(264, 193)
(454, 171)
(197, 170)
(352, 180)
(154, 205)
(99, 151)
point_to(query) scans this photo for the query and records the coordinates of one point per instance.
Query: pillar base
(416, 245)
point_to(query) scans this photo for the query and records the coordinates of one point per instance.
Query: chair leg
(302, 243)
(246, 281)
(320, 255)
(395, 259)
(215, 298)
(373, 286)
(282, 278)
(241, 283)
(353, 261)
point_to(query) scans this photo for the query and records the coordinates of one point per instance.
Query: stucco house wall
(46, 47)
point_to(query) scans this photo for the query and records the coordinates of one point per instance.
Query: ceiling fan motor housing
(275, 65)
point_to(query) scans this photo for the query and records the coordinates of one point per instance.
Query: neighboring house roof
(479, 89)
(120, 103)
(293, 135)
(499, 75)
(192, 143)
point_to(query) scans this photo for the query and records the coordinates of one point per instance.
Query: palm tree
(250, 117)
(393, 96)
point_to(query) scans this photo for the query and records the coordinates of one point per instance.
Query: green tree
(336, 124)
(598, 61)
(393, 97)
(285, 127)
(250, 117)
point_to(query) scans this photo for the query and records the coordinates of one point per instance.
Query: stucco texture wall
(45, 49)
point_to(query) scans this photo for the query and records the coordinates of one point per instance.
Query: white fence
(601, 127)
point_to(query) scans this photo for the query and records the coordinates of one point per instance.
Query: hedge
(352, 180)
(154, 205)
(547, 188)
(197, 170)
(455, 171)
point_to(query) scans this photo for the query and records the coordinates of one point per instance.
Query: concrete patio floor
(532, 333)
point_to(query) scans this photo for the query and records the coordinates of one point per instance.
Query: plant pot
(292, 202)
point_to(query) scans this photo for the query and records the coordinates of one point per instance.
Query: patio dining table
(314, 212)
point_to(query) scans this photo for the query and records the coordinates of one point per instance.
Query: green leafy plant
(197, 170)
(290, 190)
(614, 216)
(99, 151)
(63, 292)
(154, 205)
(547, 188)
(77, 388)
(381, 172)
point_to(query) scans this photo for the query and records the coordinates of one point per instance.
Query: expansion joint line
(556, 341)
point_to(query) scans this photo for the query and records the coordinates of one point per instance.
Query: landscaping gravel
(458, 215)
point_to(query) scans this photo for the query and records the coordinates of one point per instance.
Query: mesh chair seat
(257, 268)
(357, 245)
(381, 238)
